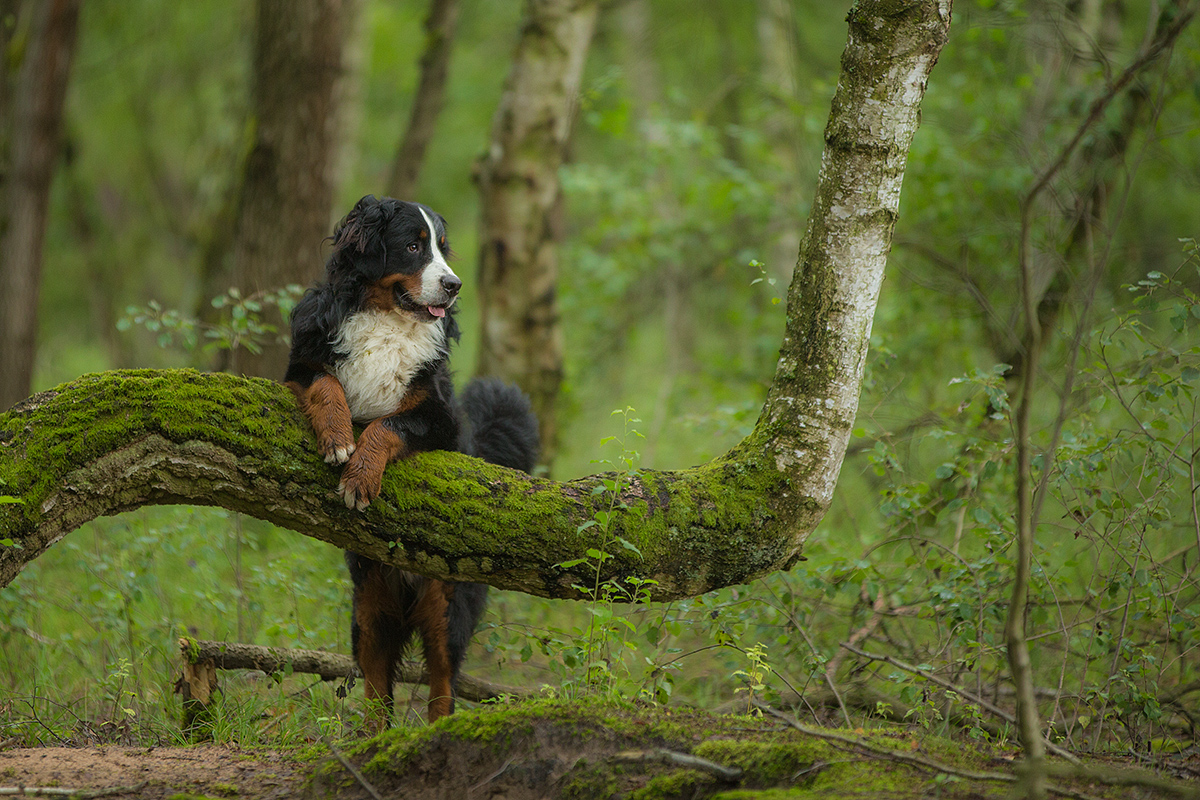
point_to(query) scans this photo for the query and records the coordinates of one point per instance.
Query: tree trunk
(37, 110)
(284, 211)
(116, 441)
(428, 100)
(520, 331)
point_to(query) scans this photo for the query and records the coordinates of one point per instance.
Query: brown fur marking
(412, 398)
(362, 477)
(324, 403)
(429, 617)
(376, 657)
(381, 295)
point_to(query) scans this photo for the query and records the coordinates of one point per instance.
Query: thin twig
(503, 768)
(910, 758)
(945, 684)
(664, 756)
(895, 755)
(353, 770)
(813, 647)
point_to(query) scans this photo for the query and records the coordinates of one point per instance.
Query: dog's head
(396, 252)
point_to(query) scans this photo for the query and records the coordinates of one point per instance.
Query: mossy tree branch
(112, 442)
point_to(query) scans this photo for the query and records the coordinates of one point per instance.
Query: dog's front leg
(362, 477)
(324, 403)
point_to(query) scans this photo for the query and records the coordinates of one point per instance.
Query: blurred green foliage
(667, 209)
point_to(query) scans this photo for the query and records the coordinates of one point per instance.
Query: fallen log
(202, 659)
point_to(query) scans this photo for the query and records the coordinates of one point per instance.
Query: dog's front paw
(361, 482)
(336, 449)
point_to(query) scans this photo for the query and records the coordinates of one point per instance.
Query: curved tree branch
(111, 442)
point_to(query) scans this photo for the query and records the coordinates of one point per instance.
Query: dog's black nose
(451, 284)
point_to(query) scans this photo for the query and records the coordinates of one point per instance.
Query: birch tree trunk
(34, 136)
(285, 205)
(520, 331)
(115, 441)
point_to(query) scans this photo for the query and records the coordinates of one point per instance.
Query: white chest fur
(383, 350)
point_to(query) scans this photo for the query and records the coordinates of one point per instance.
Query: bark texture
(440, 25)
(811, 405)
(286, 201)
(521, 334)
(115, 441)
(34, 144)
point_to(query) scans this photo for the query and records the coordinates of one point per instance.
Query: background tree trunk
(112, 442)
(428, 100)
(37, 110)
(284, 210)
(520, 331)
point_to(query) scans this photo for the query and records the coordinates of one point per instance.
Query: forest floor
(568, 750)
(150, 773)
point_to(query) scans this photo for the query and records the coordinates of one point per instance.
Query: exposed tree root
(62, 791)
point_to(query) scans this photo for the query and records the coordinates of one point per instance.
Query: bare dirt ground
(151, 773)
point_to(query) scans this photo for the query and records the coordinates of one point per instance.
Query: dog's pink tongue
(437, 312)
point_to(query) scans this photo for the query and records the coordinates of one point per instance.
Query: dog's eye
(413, 247)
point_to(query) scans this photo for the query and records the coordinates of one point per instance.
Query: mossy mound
(587, 751)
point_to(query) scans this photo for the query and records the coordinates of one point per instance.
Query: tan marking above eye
(423, 234)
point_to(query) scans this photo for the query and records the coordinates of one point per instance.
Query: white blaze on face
(431, 278)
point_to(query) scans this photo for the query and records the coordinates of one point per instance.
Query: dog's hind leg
(377, 638)
(430, 617)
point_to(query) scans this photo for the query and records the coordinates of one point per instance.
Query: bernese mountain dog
(371, 345)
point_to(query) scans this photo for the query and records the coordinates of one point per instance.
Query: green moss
(191, 648)
(312, 753)
(698, 529)
(765, 762)
(588, 781)
(496, 728)
(765, 794)
(225, 789)
(680, 783)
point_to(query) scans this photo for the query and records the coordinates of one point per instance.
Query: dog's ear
(362, 230)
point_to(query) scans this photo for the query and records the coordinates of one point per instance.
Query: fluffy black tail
(501, 427)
